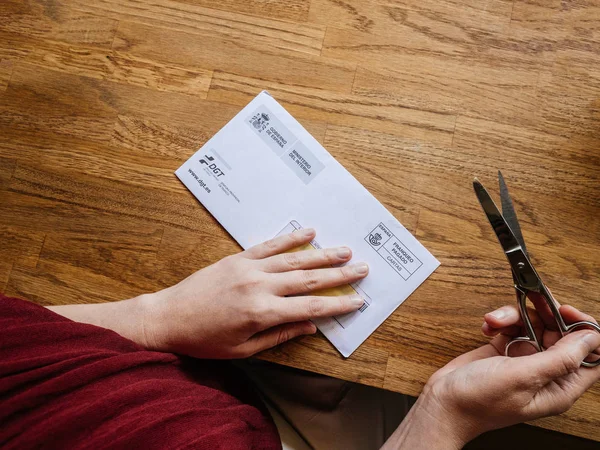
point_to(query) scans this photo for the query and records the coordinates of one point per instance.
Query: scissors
(526, 279)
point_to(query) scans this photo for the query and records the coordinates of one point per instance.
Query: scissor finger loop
(584, 324)
(523, 339)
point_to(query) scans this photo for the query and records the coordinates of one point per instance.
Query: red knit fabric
(65, 384)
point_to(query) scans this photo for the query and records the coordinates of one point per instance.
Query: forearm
(426, 427)
(126, 317)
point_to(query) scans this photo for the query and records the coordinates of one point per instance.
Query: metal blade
(509, 213)
(505, 236)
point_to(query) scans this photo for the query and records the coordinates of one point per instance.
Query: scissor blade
(505, 236)
(509, 213)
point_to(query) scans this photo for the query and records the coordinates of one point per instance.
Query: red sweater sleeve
(65, 384)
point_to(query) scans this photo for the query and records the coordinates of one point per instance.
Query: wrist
(151, 329)
(429, 425)
(452, 428)
(152, 320)
(135, 319)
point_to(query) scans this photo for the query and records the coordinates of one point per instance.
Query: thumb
(277, 335)
(562, 358)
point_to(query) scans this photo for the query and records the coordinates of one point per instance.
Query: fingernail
(343, 252)
(361, 269)
(591, 339)
(356, 300)
(308, 232)
(498, 314)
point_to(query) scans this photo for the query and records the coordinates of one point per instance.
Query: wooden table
(101, 100)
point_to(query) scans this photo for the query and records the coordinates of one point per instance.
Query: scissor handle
(563, 328)
(530, 337)
(533, 342)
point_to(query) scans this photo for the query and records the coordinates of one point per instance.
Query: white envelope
(263, 174)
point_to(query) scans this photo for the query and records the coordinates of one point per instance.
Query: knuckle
(283, 336)
(310, 280)
(230, 262)
(329, 255)
(520, 384)
(344, 302)
(249, 282)
(292, 260)
(291, 240)
(252, 318)
(271, 244)
(242, 352)
(345, 273)
(570, 362)
(560, 406)
(295, 237)
(316, 305)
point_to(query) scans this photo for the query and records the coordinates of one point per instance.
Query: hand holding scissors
(527, 282)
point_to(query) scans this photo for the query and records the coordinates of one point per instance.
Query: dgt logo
(212, 166)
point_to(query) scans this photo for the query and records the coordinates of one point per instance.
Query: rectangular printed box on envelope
(263, 174)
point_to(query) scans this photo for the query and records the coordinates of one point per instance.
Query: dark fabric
(65, 384)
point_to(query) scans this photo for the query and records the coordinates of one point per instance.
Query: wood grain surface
(100, 101)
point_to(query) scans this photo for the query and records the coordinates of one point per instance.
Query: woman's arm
(126, 317)
(239, 306)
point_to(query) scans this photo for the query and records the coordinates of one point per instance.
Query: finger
(499, 342)
(294, 309)
(571, 314)
(559, 396)
(275, 336)
(561, 359)
(507, 320)
(301, 281)
(308, 259)
(280, 244)
(543, 310)
(513, 330)
(503, 336)
(503, 317)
